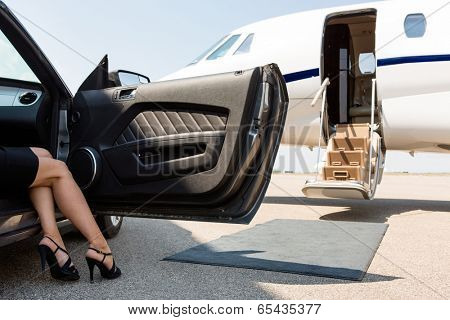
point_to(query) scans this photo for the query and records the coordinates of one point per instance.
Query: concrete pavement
(413, 261)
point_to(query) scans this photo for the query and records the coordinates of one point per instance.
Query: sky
(151, 37)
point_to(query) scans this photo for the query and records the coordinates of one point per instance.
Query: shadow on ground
(140, 248)
(377, 210)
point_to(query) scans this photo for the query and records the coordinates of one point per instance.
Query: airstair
(352, 165)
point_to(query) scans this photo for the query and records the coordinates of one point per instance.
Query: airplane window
(12, 66)
(415, 25)
(246, 45)
(200, 57)
(367, 63)
(223, 49)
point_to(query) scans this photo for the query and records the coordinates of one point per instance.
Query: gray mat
(322, 248)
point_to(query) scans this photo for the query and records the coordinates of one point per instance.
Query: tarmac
(412, 262)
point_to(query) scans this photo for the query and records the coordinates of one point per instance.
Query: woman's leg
(42, 199)
(54, 174)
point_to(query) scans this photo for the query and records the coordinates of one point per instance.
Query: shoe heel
(43, 254)
(91, 264)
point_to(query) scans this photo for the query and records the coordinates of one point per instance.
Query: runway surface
(413, 261)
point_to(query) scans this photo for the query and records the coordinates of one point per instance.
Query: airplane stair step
(345, 169)
(343, 173)
(346, 158)
(349, 144)
(356, 130)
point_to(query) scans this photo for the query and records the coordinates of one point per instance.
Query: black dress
(18, 168)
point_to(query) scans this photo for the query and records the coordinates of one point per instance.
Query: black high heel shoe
(67, 272)
(112, 273)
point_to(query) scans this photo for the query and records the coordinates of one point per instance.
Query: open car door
(199, 148)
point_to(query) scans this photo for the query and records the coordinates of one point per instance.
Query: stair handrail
(322, 88)
(372, 129)
(322, 91)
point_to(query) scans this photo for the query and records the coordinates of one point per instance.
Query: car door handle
(125, 94)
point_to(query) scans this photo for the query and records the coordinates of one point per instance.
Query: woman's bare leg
(54, 174)
(42, 199)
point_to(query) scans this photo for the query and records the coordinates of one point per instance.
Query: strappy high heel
(67, 272)
(112, 273)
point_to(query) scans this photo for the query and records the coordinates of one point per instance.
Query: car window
(246, 45)
(223, 49)
(12, 65)
(415, 25)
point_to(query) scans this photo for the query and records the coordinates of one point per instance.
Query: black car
(199, 149)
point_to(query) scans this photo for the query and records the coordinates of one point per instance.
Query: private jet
(361, 79)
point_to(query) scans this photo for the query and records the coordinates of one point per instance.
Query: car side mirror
(122, 78)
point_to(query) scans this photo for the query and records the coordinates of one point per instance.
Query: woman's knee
(50, 171)
(55, 169)
(62, 169)
(59, 167)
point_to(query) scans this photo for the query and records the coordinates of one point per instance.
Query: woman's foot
(61, 256)
(101, 256)
(58, 260)
(97, 254)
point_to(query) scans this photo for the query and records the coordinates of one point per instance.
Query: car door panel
(165, 157)
(172, 141)
(199, 148)
(187, 96)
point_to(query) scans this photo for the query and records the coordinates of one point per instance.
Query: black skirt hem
(18, 168)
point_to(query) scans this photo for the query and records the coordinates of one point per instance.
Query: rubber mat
(332, 249)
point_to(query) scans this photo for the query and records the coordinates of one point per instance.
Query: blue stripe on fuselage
(296, 76)
(311, 73)
(413, 59)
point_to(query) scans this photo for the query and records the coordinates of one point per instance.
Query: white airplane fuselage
(412, 73)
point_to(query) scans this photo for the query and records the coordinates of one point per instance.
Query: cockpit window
(246, 45)
(200, 57)
(223, 49)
